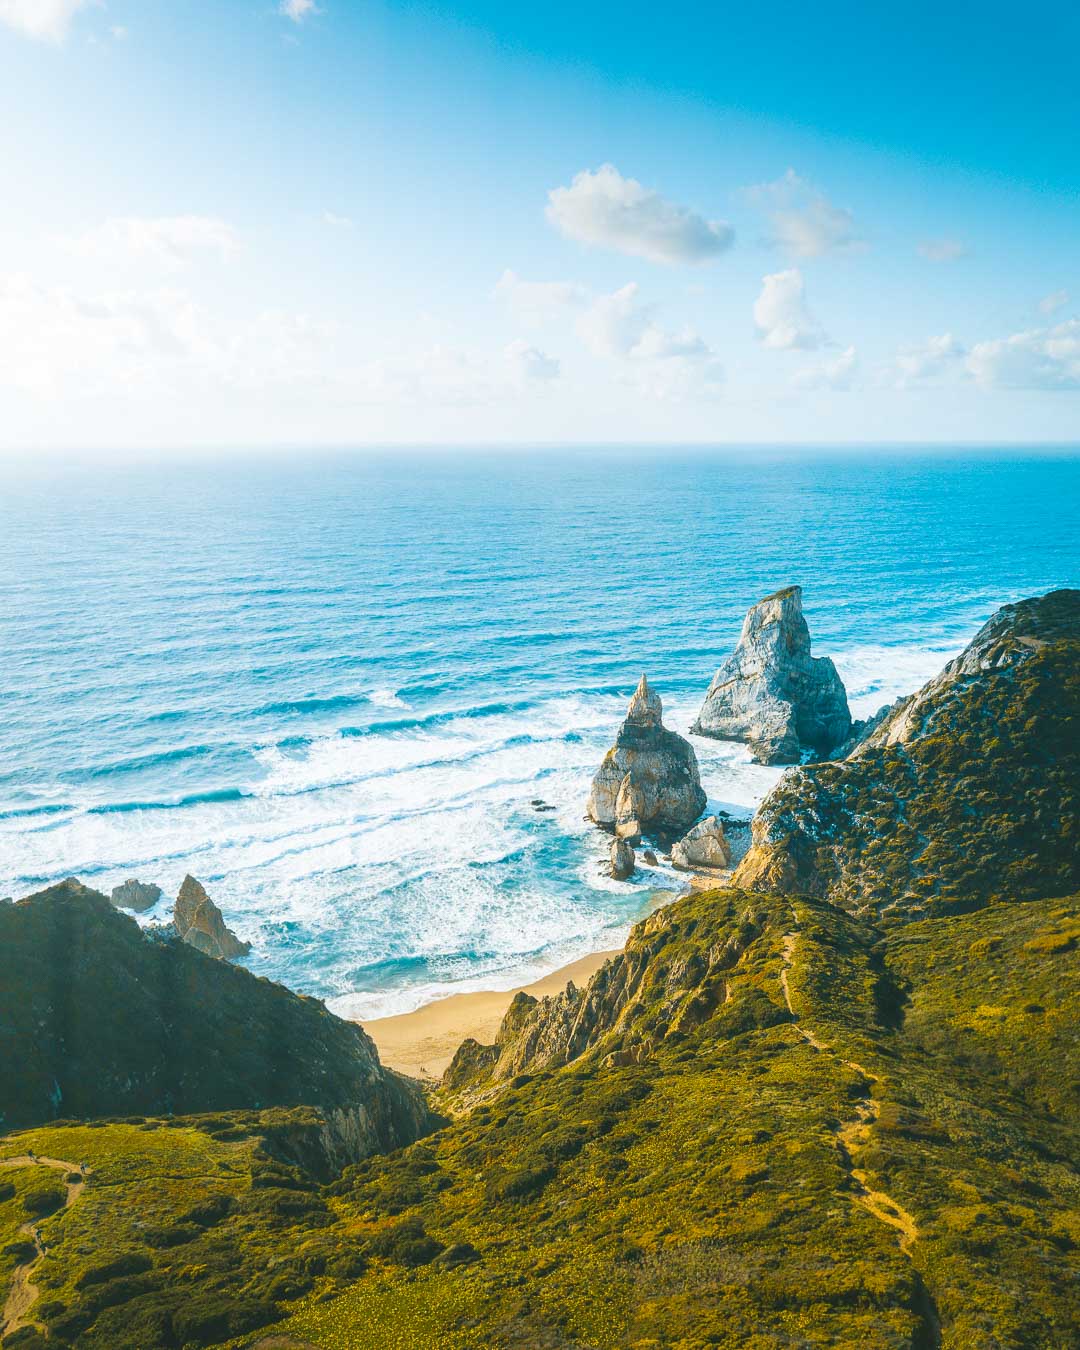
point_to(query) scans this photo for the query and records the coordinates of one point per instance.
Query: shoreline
(423, 1042)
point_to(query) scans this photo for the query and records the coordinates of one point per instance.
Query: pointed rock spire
(645, 708)
(649, 779)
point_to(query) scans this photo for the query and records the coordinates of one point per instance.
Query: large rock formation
(649, 779)
(98, 1019)
(966, 792)
(200, 924)
(771, 693)
(705, 845)
(137, 895)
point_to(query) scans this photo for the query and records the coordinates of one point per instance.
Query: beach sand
(422, 1043)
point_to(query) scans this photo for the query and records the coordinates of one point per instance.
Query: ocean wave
(211, 797)
(152, 759)
(28, 812)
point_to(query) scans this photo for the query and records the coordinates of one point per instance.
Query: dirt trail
(22, 1295)
(853, 1135)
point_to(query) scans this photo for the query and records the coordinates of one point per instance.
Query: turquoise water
(331, 687)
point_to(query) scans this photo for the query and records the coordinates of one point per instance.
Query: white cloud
(530, 364)
(781, 314)
(1043, 358)
(606, 209)
(927, 360)
(54, 342)
(655, 344)
(943, 250)
(658, 363)
(1054, 301)
(46, 20)
(537, 301)
(679, 379)
(835, 374)
(119, 32)
(614, 324)
(337, 222)
(298, 10)
(803, 219)
(170, 239)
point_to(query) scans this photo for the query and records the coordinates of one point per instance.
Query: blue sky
(249, 224)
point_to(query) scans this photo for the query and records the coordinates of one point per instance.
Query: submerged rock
(705, 845)
(771, 693)
(622, 860)
(649, 778)
(137, 895)
(200, 924)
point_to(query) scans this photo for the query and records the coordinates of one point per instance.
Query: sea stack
(200, 924)
(772, 694)
(136, 895)
(649, 779)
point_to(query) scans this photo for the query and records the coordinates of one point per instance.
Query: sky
(244, 223)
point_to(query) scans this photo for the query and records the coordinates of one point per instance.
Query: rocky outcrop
(772, 694)
(99, 1020)
(967, 792)
(136, 895)
(200, 924)
(649, 779)
(705, 845)
(677, 971)
(622, 860)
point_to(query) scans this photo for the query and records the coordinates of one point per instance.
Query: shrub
(406, 1244)
(522, 1184)
(131, 1263)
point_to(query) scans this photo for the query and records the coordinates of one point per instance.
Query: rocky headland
(772, 694)
(101, 1018)
(649, 780)
(966, 792)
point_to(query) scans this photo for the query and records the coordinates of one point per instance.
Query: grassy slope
(698, 1198)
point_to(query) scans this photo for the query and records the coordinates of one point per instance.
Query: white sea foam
(385, 869)
(387, 698)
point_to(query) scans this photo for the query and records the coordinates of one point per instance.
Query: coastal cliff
(967, 792)
(100, 1019)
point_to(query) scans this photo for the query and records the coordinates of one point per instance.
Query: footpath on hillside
(23, 1292)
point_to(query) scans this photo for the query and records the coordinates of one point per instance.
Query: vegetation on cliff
(98, 1019)
(769, 1122)
(967, 794)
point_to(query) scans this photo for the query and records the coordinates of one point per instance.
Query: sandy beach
(422, 1043)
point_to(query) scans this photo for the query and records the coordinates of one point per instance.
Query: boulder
(199, 922)
(705, 845)
(649, 779)
(137, 895)
(772, 694)
(622, 860)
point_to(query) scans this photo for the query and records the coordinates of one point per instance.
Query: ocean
(334, 686)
